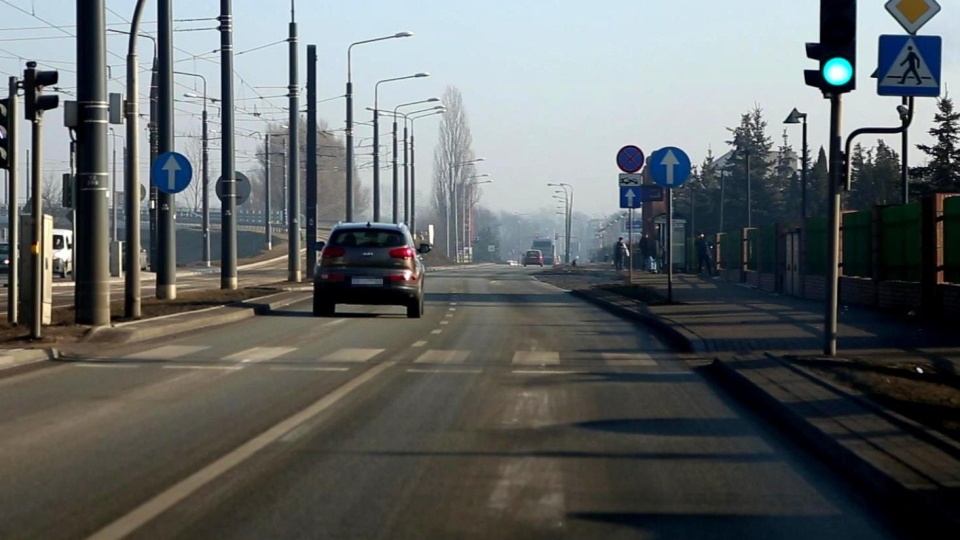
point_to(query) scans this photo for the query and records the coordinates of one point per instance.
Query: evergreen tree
(942, 172)
(818, 187)
(785, 182)
(750, 143)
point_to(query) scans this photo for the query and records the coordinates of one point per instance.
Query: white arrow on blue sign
(171, 172)
(669, 167)
(630, 197)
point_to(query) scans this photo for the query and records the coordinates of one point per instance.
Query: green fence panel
(900, 238)
(753, 249)
(816, 248)
(858, 244)
(730, 250)
(768, 250)
(951, 239)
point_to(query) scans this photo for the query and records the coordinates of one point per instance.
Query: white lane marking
(628, 359)
(435, 332)
(436, 356)
(448, 315)
(451, 309)
(453, 303)
(105, 365)
(186, 487)
(444, 322)
(419, 344)
(536, 358)
(450, 371)
(337, 321)
(259, 354)
(212, 368)
(295, 368)
(544, 372)
(166, 352)
(352, 355)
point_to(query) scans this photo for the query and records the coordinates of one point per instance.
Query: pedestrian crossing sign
(909, 66)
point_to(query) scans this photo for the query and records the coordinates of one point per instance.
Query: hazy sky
(552, 87)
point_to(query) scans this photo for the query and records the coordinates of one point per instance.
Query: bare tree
(451, 167)
(52, 195)
(192, 197)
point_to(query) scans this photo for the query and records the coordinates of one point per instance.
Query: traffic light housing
(33, 83)
(5, 121)
(837, 50)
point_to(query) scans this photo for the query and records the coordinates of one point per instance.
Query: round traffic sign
(630, 159)
(241, 188)
(171, 172)
(669, 167)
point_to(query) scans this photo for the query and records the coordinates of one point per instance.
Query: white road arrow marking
(670, 161)
(172, 168)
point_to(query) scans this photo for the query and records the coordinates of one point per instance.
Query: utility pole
(166, 234)
(228, 171)
(205, 198)
(92, 288)
(154, 120)
(311, 159)
(396, 179)
(266, 193)
(13, 202)
(131, 284)
(406, 175)
(293, 178)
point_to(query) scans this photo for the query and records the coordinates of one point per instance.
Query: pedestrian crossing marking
(352, 355)
(536, 358)
(435, 356)
(167, 352)
(259, 354)
(628, 359)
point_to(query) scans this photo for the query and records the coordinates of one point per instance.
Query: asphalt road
(510, 410)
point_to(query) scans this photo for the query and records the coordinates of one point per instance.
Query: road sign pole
(166, 235)
(832, 289)
(632, 252)
(131, 283)
(669, 246)
(228, 206)
(904, 157)
(92, 289)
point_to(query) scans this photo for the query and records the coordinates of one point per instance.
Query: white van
(62, 252)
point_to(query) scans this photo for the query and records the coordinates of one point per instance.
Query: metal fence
(858, 244)
(900, 240)
(951, 239)
(816, 247)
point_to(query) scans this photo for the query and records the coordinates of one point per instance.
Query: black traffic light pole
(13, 212)
(166, 234)
(311, 159)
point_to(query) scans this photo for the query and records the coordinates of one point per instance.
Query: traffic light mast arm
(906, 118)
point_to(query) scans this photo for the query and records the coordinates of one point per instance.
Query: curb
(11, 358)
(941, 516)
(682, 339)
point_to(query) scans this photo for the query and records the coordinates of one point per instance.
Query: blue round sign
(630, 159)
(669, 167)
(171, 172)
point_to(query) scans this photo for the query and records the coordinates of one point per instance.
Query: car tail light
(331, 277)
(407, 275)
(330, 252)
(403, 253)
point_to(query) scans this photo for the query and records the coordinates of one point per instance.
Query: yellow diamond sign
(913, 14)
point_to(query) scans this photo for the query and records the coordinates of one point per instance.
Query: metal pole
(113, 189)
(749, 193)
(293, 179)
(36, 247)
(413, 183)
(456, 220)
(396, 178)
(833, 286)
(630, 244)
(446, 219)
(722, 194)
(92, 288)
(266, 194)
(13, 157)
(311, 159)
(670, 245)
(131, 283)
(349, 193)
(376, 156)
(228, 205)
(205, 199)
(154, 119)
(803, 171)
(904, 161)
(406, 175)
(166, 203)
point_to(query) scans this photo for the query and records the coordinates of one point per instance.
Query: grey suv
(369, 263)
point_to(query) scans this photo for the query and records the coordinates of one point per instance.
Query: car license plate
(367, 282)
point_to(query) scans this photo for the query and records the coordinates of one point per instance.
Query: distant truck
(62, 252)
(549, 249)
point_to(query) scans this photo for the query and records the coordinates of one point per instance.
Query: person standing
(620, 254)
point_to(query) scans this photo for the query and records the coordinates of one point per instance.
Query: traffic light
(837, 50)
(5, 120)
(33, 83)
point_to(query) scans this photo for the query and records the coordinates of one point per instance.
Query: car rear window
(369, 238)
(533, 254)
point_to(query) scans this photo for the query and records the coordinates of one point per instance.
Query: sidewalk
(744, 334)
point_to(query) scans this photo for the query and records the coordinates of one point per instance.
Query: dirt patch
(63, 330)
(914, 388)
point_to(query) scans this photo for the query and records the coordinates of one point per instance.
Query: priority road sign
(630, 159)
(909, 66)
(241, 190)
(630, 179)
(913, 14)
(171, 172)
(669, 167)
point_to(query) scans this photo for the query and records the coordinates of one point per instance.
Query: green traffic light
(838, 71)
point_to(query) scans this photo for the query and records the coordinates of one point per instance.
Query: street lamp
(376, 140)
(454, 185)
(466, 229)
(797, 117)
(568, 199)
(113, 189)
(396, 154)
(349, 194)
(411, 198)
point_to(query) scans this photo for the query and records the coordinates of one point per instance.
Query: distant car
(4, 258)
(533, 256)
(371, 264)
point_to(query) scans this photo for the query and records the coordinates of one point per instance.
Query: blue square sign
(909, 66)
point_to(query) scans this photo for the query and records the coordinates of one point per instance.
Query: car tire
(415, 309)
(323, 309)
